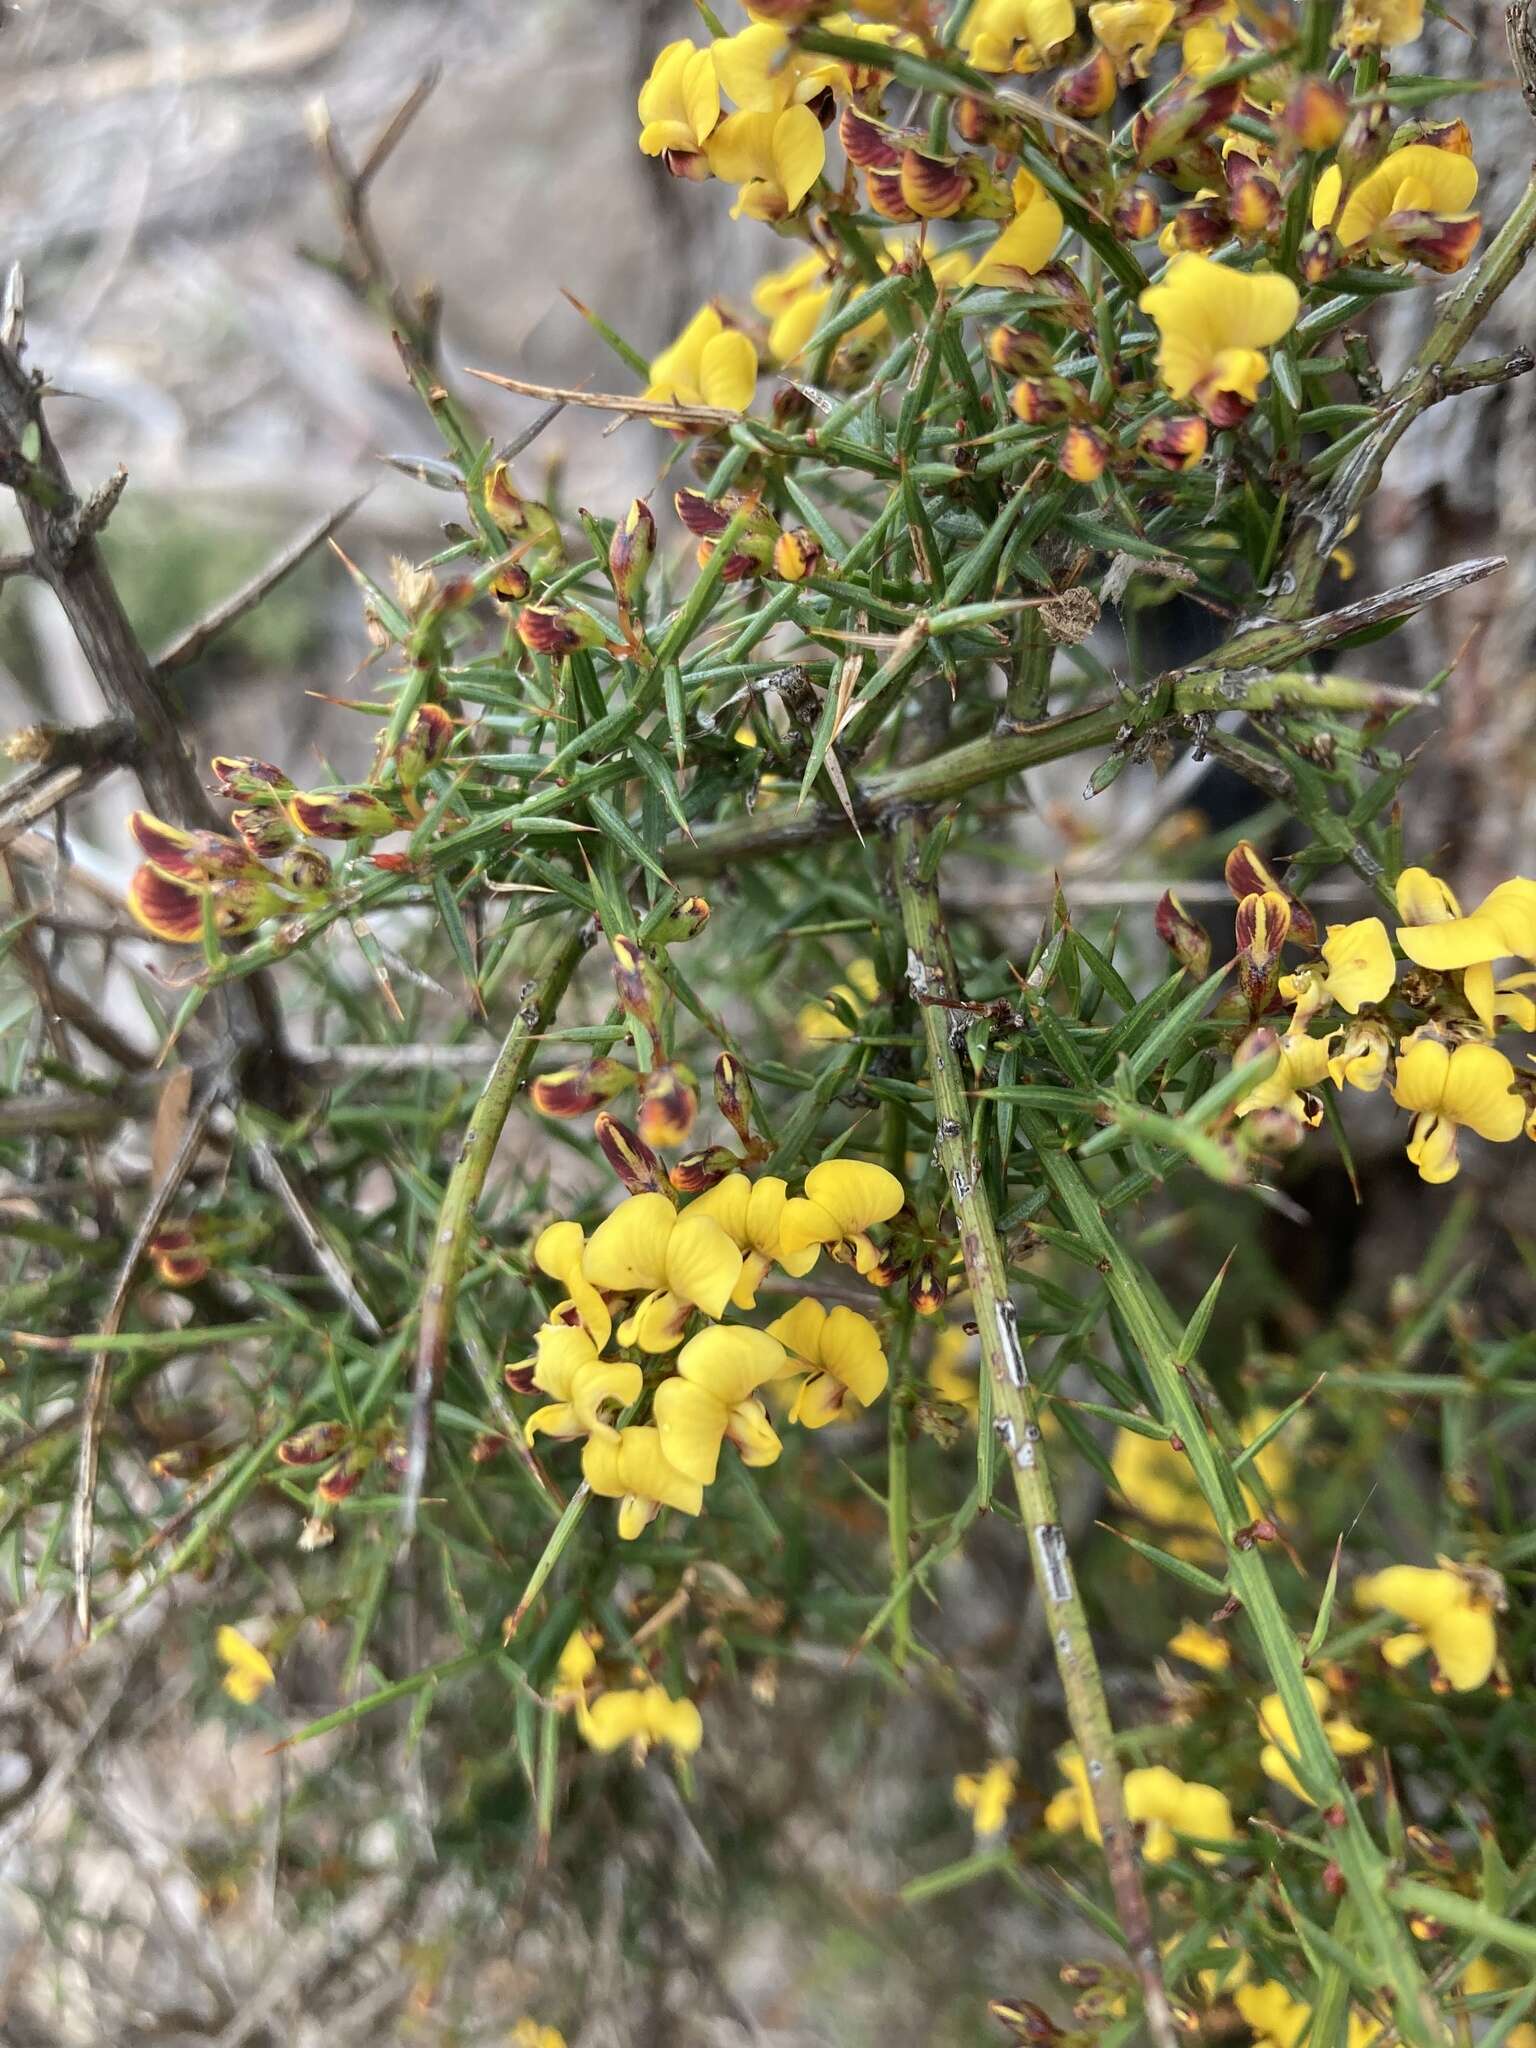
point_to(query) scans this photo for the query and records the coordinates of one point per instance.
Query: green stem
(931, 968)
(1364, 1866)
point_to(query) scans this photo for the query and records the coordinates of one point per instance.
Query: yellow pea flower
(840, 1350)
(987, 1795)
(763, 74)
(1158, 1800)
(819, 1022)
(1130, 30)
(1418, 178)
(751, 1213)
(558, 1252)
(1379, 25)
(952, 1349)
(1159, 1483)
(1356, 967)
(1483, 1975)
(680, 1261)
(247, 1674)
(634, 1472)
(1213, 322)
(527, 2033)
(1361, 1060)
(842, 1199)
(580, 1383)
(718, 1373)
(775, 159)
(1029, 240)
(1446, 1090)
(708, 364)
(575, 1669)
(680, 102)
(1435, 934)
(1302, 1066)
(1450, 1613)
(643, 1717)
(1201, 1646)
(1279, 1755)
(1016, 35)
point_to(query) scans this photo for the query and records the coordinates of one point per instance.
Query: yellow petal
(247, 1673)
(731, 1362)
(850, 1351)
(1360, 965)
(1454, 942)
(728, 371)
(614, 1719)
(1465, 1646)
(1422, 898)
(1401, 1651)
(726, 1203)
(1027, 244)
(799, 152)
(1422, 1594)
(628, 1250)
(701, 93)
(1419, 176)
(1199, 1646)
(657, 1324)
(678, 1723)
(690, 1422)
(1478, 1093)
(799, 1331)
(1326, 195)
(1202, 308)
(605, 1383)
(557, 1419)
(752, 67)
(702, 1264)
(1512, 906)
(1422, 1069)
(753, 1434)
(562, 1350)
(855, 1194)
(741, 148)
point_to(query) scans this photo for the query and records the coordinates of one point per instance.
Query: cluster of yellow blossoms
(663, 1270)
(1244, 148)
(1429, 1032)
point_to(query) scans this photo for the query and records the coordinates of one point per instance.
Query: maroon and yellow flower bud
(306, 871)
(631, 552)
(882, 191)
(1319, 256)
(174, 1254)
(1263, 925)
(1202, 225)
(1040, 401)
(1059, 282)
(1089, 89)
(868, 144)
(558, 630)
(796, 555)
(581, 1087)
(1442, 242)
(166, 908)
(189, 856)
(927, 1284)
(706, 1169)
(1176, 441)
(1315, 115)
(1162, 134)
(511, 583)
(521, 519)
(1249, 874)
(935, 187)
(887, 1270)
(1366, 139)
(1184, 936)
(688, 918)
(1254, 205)
(264, 834)
(668, 1107)
(983, 126)
(631, 1158)
(489, 1444)
(1084, 454)
(316, 1445)
(1137, 214)
(427, 737)
(1455, 136)
(347, 1477)
(710, 517)
(341, 814)
(639, 988)
(242, 777)
(733, 1096)
(1017, 351)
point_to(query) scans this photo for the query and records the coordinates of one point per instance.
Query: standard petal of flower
(702, 1263)
(1454, 942)
(799, 153)
(1361, 968)
(1421, 1594)
(799, 1330)
(728, 371)
(628, 1250)
(1465, 1646)
(1478, 1093)
(850, 1349)
(1422, 1069)
(731, 1363)
(855, 1194)
(690, 1423)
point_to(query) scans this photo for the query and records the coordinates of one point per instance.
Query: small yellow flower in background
(1379, 24)
(1279, 2020)
(634, 1472)
(528, 2033)
(576, 1669)
(679, 103)
(1201, 1646)
(775, 158)
(580, 1384)
(1159, 1483)
(1447, 1090)
(678, 1261)
(708, 364)
(953, 1350)
(840, 1350)
(1212, 323)
(718, 1374)
(1483, 1975)
(1450, 1613)
(987, 1795)
(1016, 35)
(642, 1718)
(842, 1199)
(751, 1214)
(1028, 242)
(1158, 1800)
(1435, 934)
(1131, 31)
(819, 1021)
(1278, 1756)
(247, 1674)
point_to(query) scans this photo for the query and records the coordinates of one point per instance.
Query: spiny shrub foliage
(1071, 363)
